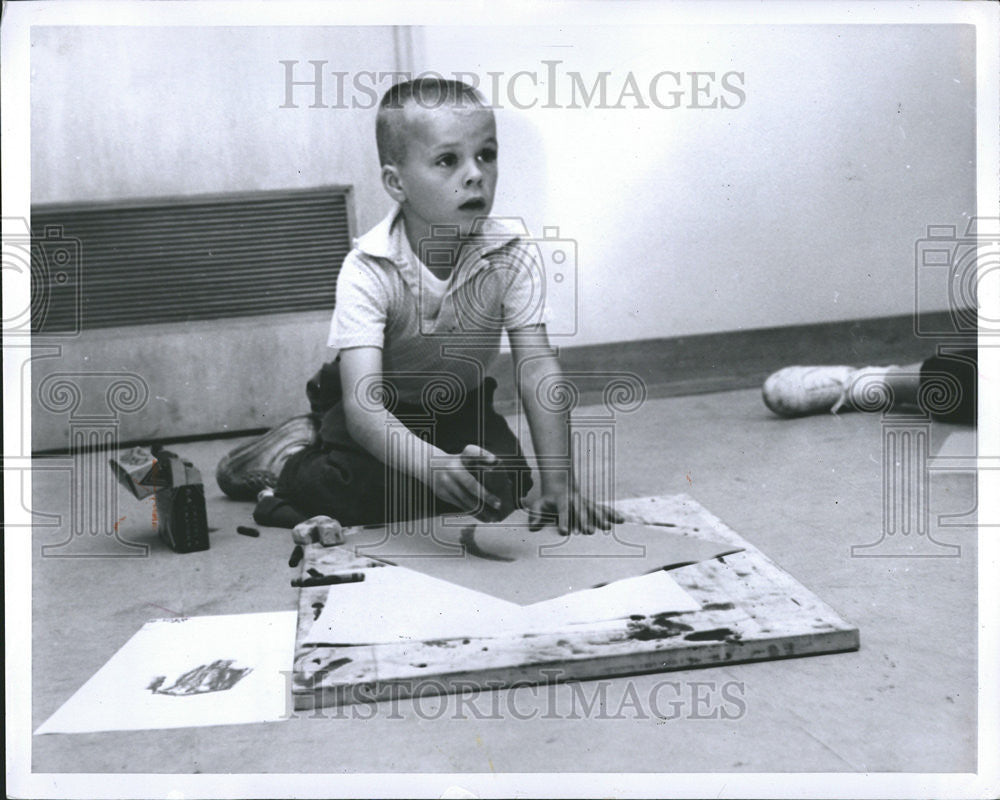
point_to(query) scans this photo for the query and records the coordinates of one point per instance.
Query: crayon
(329, 580)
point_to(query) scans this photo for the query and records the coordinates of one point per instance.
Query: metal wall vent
(102, 265)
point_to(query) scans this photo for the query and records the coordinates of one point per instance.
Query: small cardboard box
(179, 494)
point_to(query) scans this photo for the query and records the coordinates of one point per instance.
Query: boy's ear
(392, 182)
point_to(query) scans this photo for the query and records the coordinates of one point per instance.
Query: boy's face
(449, 174)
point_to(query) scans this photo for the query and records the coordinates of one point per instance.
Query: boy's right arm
(369, 424)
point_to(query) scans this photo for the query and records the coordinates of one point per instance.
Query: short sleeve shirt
(433, 332)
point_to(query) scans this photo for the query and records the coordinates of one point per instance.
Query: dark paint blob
(659, 627)
(337, 663)
(714, 635)
(218, 676)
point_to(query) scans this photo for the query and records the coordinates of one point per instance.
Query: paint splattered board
(750, 610)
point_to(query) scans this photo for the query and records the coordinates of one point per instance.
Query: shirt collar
(388, 238)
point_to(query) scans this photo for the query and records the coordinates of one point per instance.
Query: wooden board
(751, 610)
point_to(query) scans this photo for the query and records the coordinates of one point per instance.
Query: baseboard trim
(712, 362)
(732, 360)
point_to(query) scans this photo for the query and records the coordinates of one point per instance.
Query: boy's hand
(453, 482)
(570, 511)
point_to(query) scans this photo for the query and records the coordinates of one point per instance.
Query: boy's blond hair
(390, 136)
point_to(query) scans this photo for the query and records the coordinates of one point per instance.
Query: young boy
(406, 425)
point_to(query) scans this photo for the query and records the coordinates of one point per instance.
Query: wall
(137, 112)
(148, 111)
(801, 205)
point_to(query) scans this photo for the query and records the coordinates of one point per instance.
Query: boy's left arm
(560, 500)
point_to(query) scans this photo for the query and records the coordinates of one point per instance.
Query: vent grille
(184, 259)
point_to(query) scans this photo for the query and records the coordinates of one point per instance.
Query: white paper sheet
(396, 604)
(185, 672)
(512, 562)
(654, 593)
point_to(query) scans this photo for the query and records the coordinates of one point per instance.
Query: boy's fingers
(584, 519)
(460, 487)
(474, 456)
(490, 499)
(538, 517)
(568, 520)
(601, 516)
(606, 515)
(452, 485)
(596, 516)
(479, 494)
(475, 493)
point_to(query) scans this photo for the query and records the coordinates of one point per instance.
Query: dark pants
(335, 476)
(948, 386)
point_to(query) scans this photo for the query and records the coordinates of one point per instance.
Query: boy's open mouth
(476, 204)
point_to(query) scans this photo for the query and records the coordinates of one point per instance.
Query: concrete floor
(803, 491)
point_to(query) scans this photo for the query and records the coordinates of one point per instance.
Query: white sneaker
(798, 391)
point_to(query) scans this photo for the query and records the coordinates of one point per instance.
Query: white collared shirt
(433, 331)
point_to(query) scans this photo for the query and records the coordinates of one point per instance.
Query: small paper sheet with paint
(395, 604)
(187, 672)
